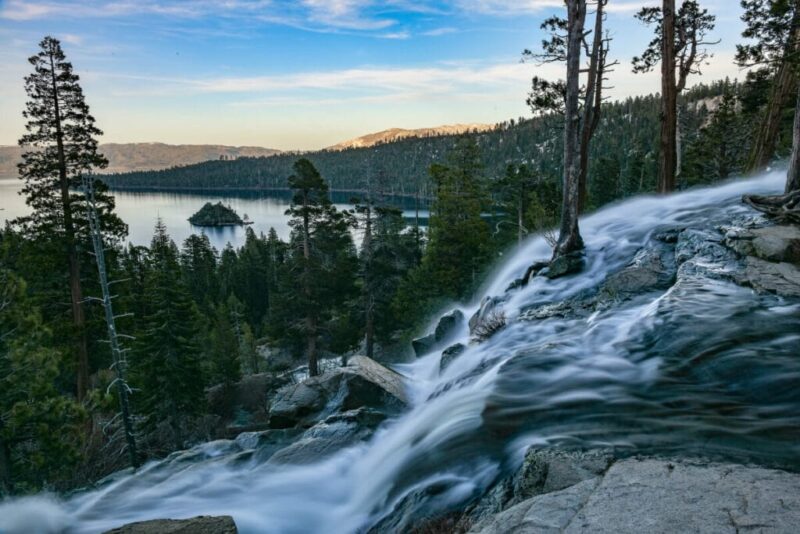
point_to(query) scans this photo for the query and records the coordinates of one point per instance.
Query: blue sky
(305, 74)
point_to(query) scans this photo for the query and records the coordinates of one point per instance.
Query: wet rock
(448, 325)
(488, 305)
(542, 471)
(423, 345)
(563, 265)
(196, 525)
(446, 328)
(544, 514)
(450, 354)
(530, 272)
(782, 279)
(660, 496)
(771, 243)
(363, 382)
(326, 437)
(653, 268)
(245, 406)
(582, 305)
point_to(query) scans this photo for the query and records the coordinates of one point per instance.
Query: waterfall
(703, 367)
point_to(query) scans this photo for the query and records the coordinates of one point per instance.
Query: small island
(217, 215)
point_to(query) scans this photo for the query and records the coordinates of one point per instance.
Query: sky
(306, 74)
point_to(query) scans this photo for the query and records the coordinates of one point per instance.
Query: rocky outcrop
(245, 407)
(564, 265)
(450, 354)
(653, 268)
(362, 383)
(771, 243)
(659, 496)
(771, 258)
(333, 434)
(196, 525)
(446, 328)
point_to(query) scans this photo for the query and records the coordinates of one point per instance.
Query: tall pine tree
(167, 360)
(59, 146)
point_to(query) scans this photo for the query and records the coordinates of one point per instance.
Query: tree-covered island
(216, 215)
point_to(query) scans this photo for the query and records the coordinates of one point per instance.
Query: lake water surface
(141, 209)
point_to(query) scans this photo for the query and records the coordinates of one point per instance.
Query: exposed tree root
(782, 208)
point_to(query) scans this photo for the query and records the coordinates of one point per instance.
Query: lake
(141, 209)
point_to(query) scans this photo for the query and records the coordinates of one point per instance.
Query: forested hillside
(623, 158)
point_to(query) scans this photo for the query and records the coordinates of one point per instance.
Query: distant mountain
(128, 157)
(395, 134)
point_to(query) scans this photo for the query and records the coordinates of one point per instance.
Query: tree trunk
(6, 482)
(311, 323)
(369, 311)
(569, 239)
(78, 318)
(591, 107)
(669, 101)
(793, 176)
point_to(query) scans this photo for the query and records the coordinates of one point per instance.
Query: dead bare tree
(119, 362)
(546, 96)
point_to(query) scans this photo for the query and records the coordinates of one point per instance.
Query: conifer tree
(167, 360)
(569, 237)
(458, 237)
(60, 145)
(322, 260)
(772, 27)
(680, 46)
(199, 264)
(225, 346)
(40, 429)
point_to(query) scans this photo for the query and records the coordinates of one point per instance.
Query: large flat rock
(196, 525)
(657, 496)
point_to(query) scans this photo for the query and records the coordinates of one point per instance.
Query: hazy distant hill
(623, 153)
(127, 157)
(395, 134)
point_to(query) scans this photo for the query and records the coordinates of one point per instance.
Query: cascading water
(705, 367)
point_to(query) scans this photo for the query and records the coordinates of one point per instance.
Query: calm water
(141, 209)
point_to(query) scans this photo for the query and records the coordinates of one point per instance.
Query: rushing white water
(633, 376)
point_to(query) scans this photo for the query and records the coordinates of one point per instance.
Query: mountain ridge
(395, 134)
(149, 156)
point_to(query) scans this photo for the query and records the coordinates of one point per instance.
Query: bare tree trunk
(76, 294)
(767, 136)
(591, 108)
(669, 101)
(569, 239)
(117, 355)
(793, 176)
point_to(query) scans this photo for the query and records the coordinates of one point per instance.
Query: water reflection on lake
(140, 209)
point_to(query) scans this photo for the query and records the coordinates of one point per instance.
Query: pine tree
(199, 265)
(679, 45)
(717, 151)
(458, 236)
(772, 26)
(322, 262)
(59, 146)
(40, 429)
(167, 360)
(569, 237)
(224, 346)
